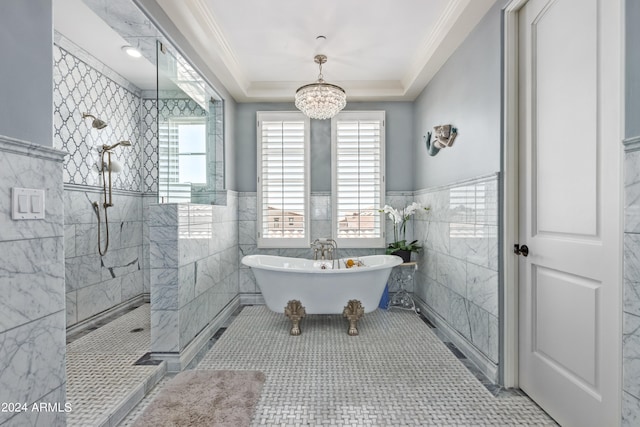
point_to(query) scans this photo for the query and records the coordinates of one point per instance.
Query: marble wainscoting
(457, 278)
(32, 323)
(193, 275)
(94, 283)
(631, 305)
(148, 200)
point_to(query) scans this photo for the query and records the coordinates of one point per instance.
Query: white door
(570, 209)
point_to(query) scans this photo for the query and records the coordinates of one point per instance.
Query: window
(357, 149)
(283, 180)
(190, 116)
(183, 158)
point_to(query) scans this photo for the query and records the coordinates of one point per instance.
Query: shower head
(111, 147)
(97, 123)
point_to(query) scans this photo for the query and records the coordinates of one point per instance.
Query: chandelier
(320, 100)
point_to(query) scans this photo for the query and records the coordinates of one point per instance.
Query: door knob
(521, 250)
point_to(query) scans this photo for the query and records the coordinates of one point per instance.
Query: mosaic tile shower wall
(149, 140)
(82, 84)
(80, 88)
(458, 274)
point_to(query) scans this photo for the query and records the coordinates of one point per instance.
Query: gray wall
(399, 140)
(466, 93)
(26, 86)
(459, 276)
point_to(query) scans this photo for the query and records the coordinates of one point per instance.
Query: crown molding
(199, 25)
(356, 90)
(453, 27)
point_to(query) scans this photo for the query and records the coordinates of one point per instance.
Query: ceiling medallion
(320, 100)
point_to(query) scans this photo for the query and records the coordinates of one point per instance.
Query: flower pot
(404, 254)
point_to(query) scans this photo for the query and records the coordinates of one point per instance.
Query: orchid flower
(399, 219)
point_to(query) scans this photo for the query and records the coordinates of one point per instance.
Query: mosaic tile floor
(103, 382)
(396, 372)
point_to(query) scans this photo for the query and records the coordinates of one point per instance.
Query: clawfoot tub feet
(353, 311)
(295, 312)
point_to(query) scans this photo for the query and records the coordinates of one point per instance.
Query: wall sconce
(443, 136)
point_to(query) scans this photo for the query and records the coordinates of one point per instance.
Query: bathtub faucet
(328, 250)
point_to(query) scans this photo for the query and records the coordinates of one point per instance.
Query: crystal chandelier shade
(320, 100)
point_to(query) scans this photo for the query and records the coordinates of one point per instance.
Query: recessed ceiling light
(132, 51)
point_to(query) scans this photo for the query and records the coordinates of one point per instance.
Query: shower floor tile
(103, 383)
(396, 372)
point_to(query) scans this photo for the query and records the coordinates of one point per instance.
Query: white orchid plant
(400, 218)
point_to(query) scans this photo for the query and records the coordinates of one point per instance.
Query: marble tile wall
(83, 84)
(32, 323)
(94, 283)
(194, 268)
(148, 199)
(458, 270)
(631, 304)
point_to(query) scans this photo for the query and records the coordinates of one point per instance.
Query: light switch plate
(27, 203)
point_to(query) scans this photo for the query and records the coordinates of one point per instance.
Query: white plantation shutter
(358, 140)
(283, 180)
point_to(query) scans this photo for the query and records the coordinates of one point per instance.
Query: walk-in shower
(106, 167)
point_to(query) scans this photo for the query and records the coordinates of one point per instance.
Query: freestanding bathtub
(302, 286)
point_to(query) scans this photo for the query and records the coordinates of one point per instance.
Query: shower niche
(190, 133)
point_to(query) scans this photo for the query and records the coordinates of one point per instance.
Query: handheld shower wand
(111, 147)
(106, 168)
